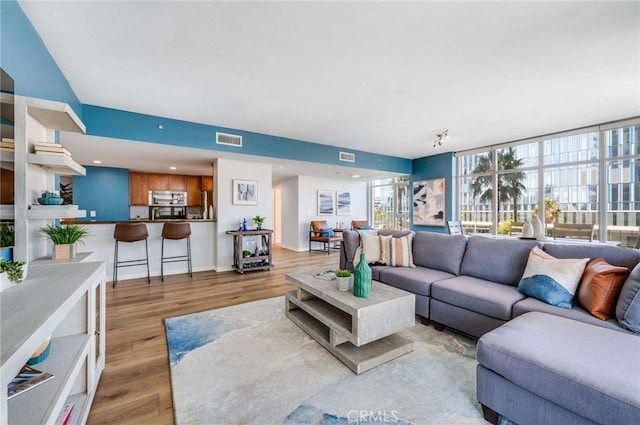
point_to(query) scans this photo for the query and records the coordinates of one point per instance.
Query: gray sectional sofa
(538, 364)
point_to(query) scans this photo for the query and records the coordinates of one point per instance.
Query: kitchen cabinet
(138, 189)
(194, 188)
(207, 183)
(172, 182)
(74, 316)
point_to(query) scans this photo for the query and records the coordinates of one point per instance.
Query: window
(391, 203)
(565, 174)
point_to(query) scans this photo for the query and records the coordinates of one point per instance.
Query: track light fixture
(440, 138)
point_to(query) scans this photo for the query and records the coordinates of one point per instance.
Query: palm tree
(509, 185)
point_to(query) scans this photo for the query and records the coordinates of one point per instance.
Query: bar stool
(176, 231)
(130, 232)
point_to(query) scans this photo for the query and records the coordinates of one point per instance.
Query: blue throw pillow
(546, 289)
(326, 232)
(364, 227)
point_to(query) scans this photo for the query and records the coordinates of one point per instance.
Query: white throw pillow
(370, 243)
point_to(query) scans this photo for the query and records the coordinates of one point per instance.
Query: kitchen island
(100, 242)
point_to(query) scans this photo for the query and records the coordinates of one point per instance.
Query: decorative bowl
(50, 201)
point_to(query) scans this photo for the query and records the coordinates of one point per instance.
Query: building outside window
(588, 176)
(391, 203)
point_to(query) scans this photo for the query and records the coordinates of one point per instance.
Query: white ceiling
(382, 77)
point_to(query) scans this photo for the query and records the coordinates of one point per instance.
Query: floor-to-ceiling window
(573, 176)
(390, 199)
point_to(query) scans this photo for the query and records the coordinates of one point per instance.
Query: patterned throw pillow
(385, 249)
(550, 279)
(401, 252)
(600, 287)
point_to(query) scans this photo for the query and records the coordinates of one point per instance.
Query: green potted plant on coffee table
(64, 238)
(344, 279)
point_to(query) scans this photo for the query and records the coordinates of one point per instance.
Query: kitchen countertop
(190, 220)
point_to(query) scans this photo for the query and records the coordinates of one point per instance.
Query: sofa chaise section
(544, 369)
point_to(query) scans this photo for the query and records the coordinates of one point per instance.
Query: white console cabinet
(67, 302)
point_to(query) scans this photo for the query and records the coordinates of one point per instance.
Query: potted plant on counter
(259, 220)
(11, 273)
(64, 238)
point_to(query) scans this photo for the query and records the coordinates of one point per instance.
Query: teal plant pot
(362, 278)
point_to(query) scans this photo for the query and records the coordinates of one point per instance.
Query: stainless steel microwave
(167, 198)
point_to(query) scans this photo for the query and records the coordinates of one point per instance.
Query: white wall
(300, 206)
(228, 215)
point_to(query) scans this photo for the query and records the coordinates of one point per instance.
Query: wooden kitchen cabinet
(207, 183)
(172, 182)
(194, 187)
(138, 189)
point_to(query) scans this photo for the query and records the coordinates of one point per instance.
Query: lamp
(440, 138)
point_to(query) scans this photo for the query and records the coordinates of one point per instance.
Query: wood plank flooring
(135, 386)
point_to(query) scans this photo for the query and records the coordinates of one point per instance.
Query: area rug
(249, 364)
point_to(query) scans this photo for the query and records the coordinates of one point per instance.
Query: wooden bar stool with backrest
(176, 231)
(130, 232)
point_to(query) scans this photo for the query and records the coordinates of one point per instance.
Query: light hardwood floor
(135, 386)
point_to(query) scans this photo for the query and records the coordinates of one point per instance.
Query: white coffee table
(360, 332)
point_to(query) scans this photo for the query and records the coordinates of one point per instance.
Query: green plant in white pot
(64, 238)
(11, 273)
(344, 279)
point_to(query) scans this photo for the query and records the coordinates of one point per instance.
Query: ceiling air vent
(228, 139)
(347, 156)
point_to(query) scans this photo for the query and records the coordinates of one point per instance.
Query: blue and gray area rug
(248, 364)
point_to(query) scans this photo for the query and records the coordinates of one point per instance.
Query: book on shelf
(25, 380)
(65, 414)
(5, 144)
(52, 149)
(7, 140)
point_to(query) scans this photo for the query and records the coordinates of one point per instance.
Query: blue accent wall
(434, 167)
(120, 124)
(104, 190)
(24, 56)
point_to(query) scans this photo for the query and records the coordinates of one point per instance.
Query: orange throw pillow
(600, 287)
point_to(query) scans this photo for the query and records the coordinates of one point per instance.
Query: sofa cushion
(585, 369)
(413, 279)
(628, 307)
(370, 244)
(575, 313)
(478, 295)
(552, 280)
(439, 251)
(615, 255)
(600, 286)
(496, 260)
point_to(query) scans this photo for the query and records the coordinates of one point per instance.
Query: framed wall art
(245, 192)
(429, 202)
(326, 202)
(343, 200)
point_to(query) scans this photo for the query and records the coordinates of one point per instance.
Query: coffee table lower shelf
(358, 359)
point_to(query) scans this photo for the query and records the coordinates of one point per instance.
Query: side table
(261, 261)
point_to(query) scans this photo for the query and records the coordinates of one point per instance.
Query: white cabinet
(67, 302)
(36, 120)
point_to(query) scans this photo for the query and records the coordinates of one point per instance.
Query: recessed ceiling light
(172, 168)
(96, 161)
(355, 176)
(160, 126)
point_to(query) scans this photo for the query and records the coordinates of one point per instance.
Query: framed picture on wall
(343, 203)
(429, 202)
(245, 192)
(326, 202)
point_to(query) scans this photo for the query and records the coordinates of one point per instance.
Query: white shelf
(45, 212)
(69, 314)
(57, 163)
(55, 115)
(45, 400)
